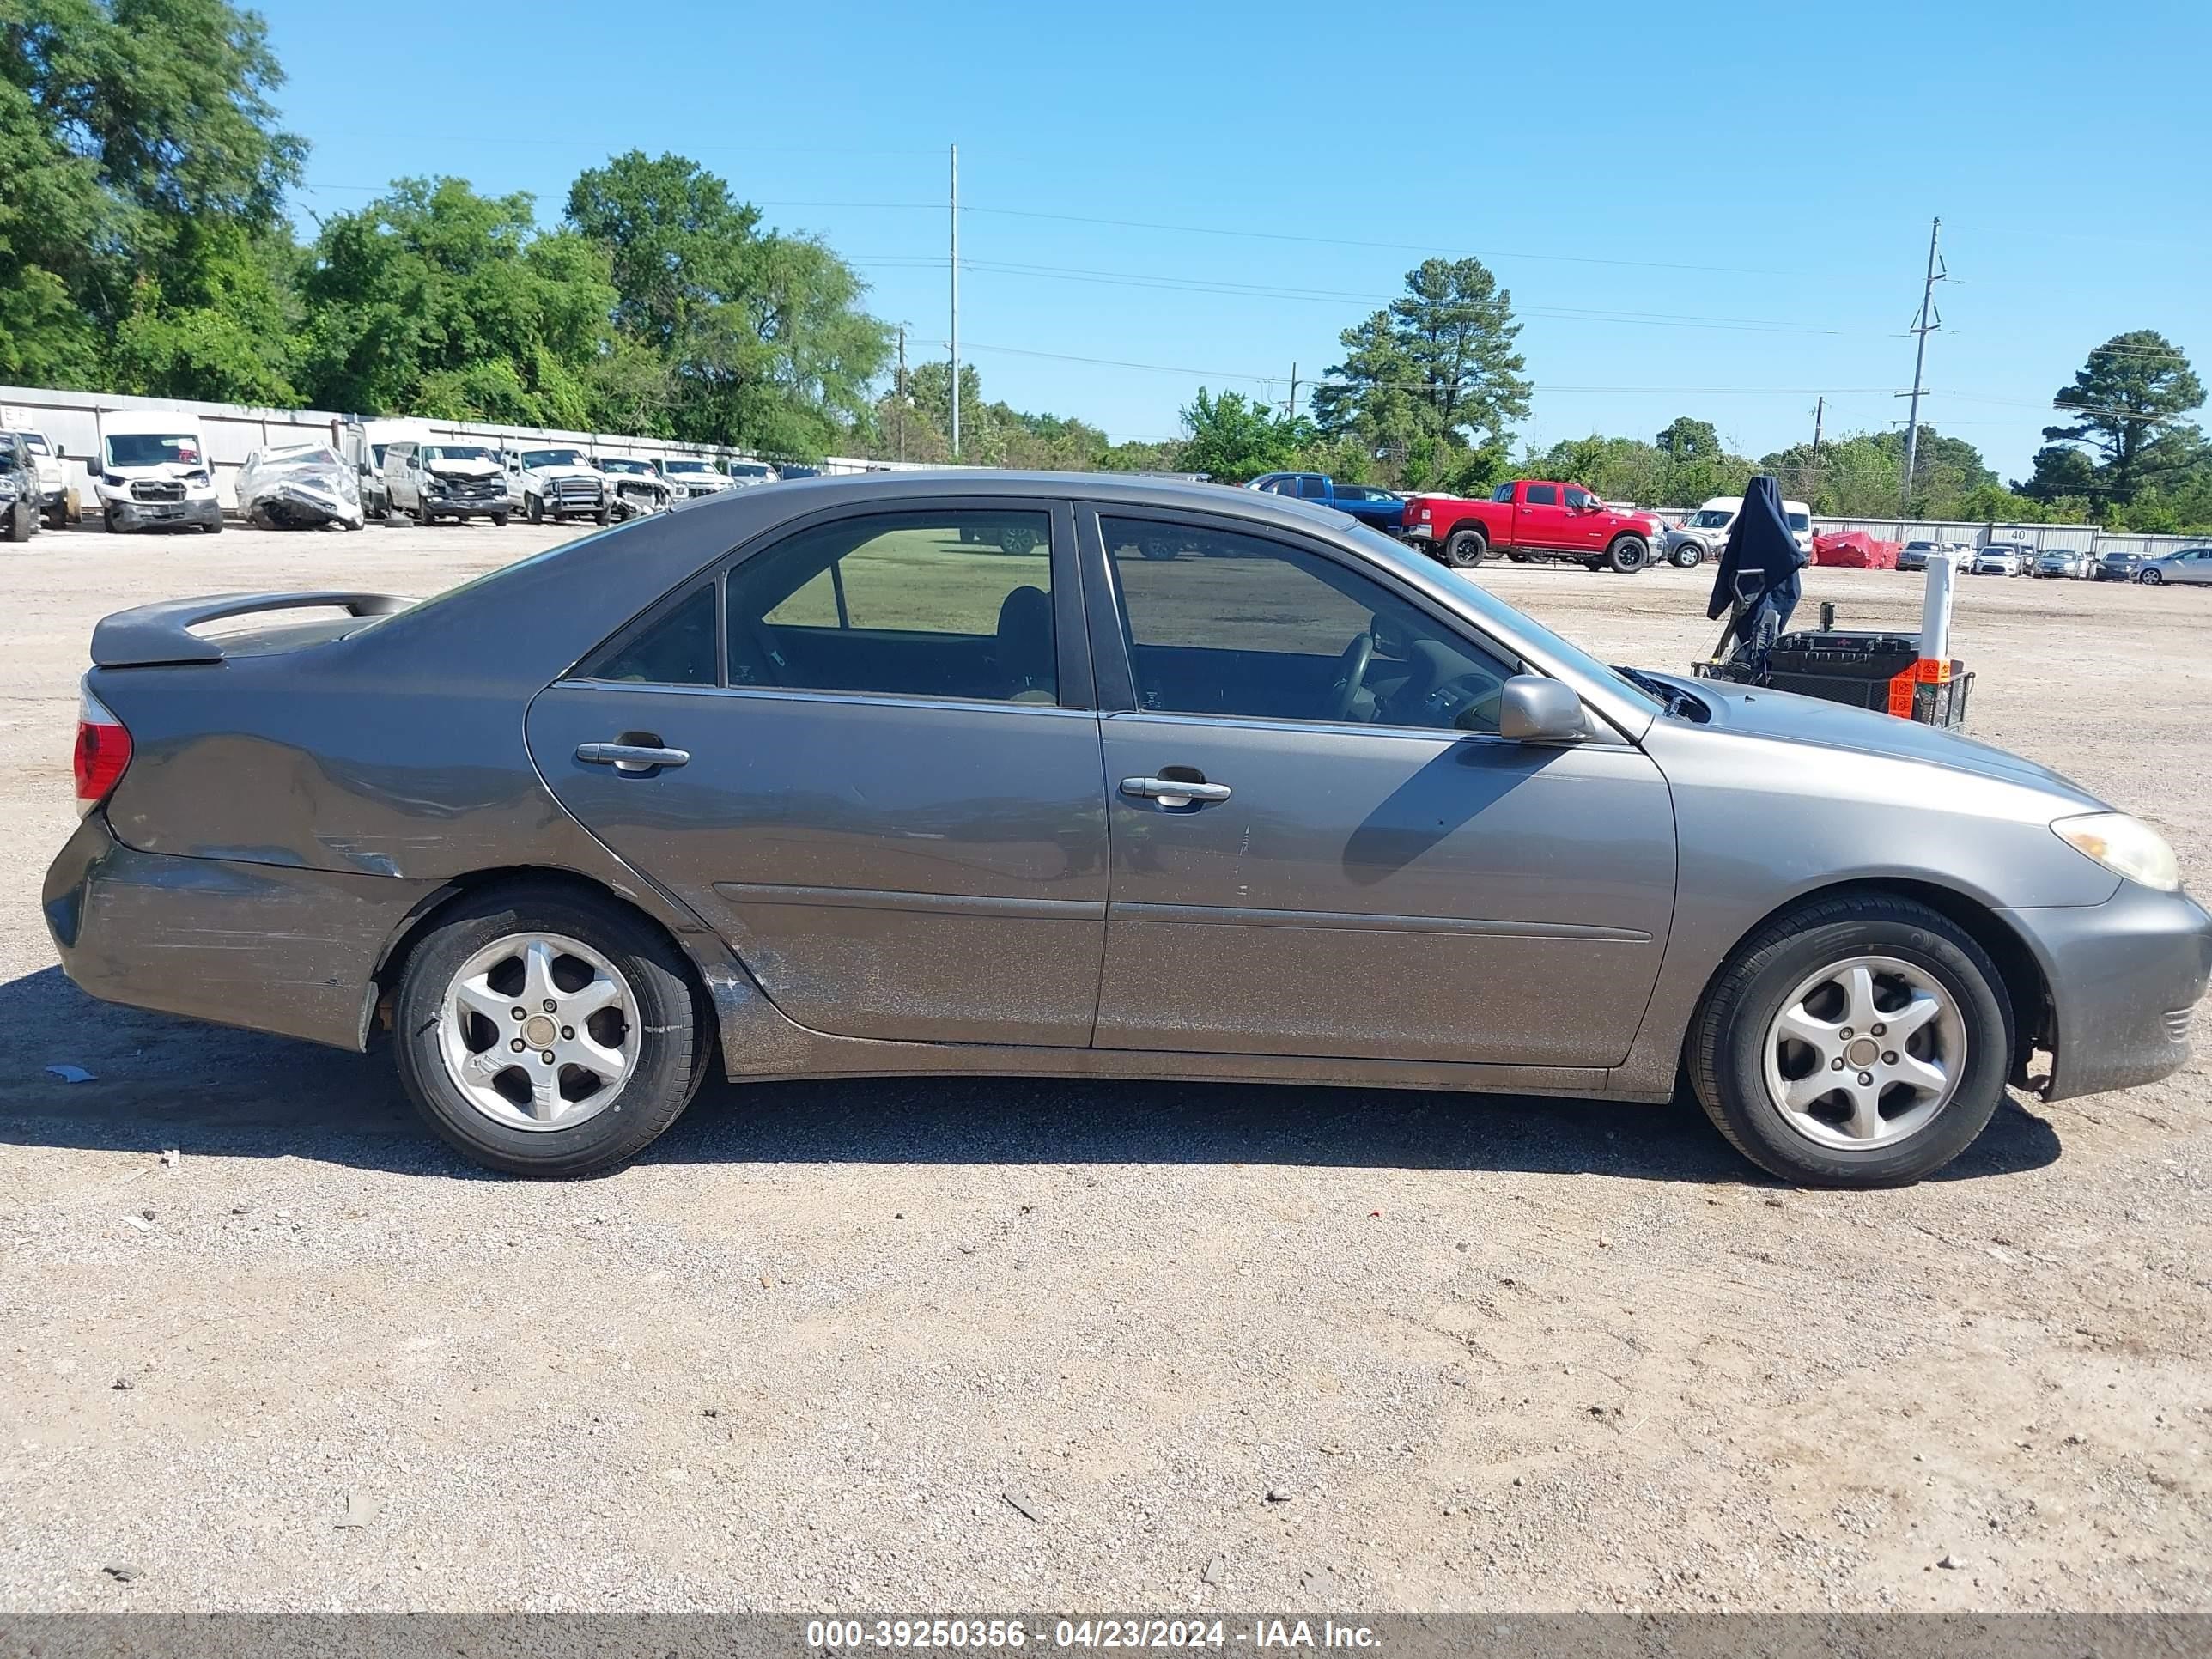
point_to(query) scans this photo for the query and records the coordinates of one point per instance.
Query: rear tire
(58, 517)
(1465, 549)
(1739, 1052)
(1628, 554)
(660, 1022)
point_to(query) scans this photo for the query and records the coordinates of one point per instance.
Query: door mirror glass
(1534, 709)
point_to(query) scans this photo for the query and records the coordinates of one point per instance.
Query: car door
(1541, 521)
(884, 786)
(1586, 523)
(2195, 565)
(1320, 846)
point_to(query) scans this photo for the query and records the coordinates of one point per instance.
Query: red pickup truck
(1531, 519)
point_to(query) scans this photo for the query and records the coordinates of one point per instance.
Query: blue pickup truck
(1371, 506)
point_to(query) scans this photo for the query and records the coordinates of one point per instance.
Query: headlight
(2125, 846)
(112, 480)
(196, 478)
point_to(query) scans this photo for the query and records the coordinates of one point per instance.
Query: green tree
(1234, 439)
(1438, 363)
(2128, 400)
(142, 179)
(763, 337)
(438, 301)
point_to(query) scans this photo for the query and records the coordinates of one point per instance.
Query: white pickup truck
(558, 482)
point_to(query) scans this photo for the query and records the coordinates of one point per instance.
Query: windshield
(152, 448)
(537, 457)
(686, 466)
(750, 469)
(621, 464)
(1514, 624)
(455, 453)
(1798, 520)
(1713, 518)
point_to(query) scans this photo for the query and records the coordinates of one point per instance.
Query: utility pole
(955, 302)
(902, 391)
(1294, 392)
(1924, 324)
(1813, 488)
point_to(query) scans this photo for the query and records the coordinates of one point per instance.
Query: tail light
(103, 750)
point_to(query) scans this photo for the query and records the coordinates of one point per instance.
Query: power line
(1318, 241)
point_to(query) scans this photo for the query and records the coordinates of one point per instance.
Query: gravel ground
(1017, 1345)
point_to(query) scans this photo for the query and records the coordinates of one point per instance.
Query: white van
(154, 471)
(1706, 532)
(444, 478)
(363, 444)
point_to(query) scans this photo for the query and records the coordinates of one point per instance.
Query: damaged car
(300, 487)
(559, 483)
(634, 488)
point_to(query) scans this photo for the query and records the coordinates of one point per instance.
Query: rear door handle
(630, 757)
(1173, 791)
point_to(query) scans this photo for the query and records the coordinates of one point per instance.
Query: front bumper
(128, 514)
(265, 946)
(2125, 977)
(465, 507)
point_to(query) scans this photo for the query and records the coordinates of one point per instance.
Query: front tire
(1465, 549)
(1627, 554)
(2153, 579)
(1689, 557)
(500, 518)
(1859, 1042)
(533, 509)
(569, 1089)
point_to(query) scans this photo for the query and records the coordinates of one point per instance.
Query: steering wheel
(1350, 675)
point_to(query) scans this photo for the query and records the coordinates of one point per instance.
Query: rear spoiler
(158, 634)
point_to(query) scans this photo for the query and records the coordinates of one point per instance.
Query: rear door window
(1541, 495)
(947, 603)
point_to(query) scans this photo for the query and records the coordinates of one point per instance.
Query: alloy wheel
(1865, 1053)
(538, 1031)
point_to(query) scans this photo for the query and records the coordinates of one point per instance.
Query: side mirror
(1534, 709)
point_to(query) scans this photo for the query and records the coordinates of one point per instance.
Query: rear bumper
(2125, 977)
(272, 949)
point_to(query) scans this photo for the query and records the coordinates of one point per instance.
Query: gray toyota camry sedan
(1081, 776)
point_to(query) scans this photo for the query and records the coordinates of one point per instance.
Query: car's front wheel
(1689, 556)
(1860, 1042)
(545, 1032)
(1627, 554)
(2152, 578)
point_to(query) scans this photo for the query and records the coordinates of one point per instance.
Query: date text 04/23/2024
(833, 1635)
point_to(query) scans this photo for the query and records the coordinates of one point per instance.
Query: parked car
(1916, 555)
(20, 513)
(635, 487)
(438, 479)
(300, 487)
(1379, 509)
(557, 481)
(752, 473)
(363, 444)
(153, 472)
(669, 793)
(1532, 518)
(2191, 564)
(1706, 530)
(2116, 567)
(1999, 559)
(54, 479)
(689, 476)
(2073, 563)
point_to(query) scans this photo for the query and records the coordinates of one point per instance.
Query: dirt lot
(992, 1345)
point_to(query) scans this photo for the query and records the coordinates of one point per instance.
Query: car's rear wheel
(1465, 549)
(1627, 553)
(544, 1032)
(1858, 1043)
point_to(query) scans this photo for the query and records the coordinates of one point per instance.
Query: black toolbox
(1861, 667)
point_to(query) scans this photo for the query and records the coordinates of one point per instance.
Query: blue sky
(1704, 209)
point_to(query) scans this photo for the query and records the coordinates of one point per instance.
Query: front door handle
(1173, 792)
(630, 756)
